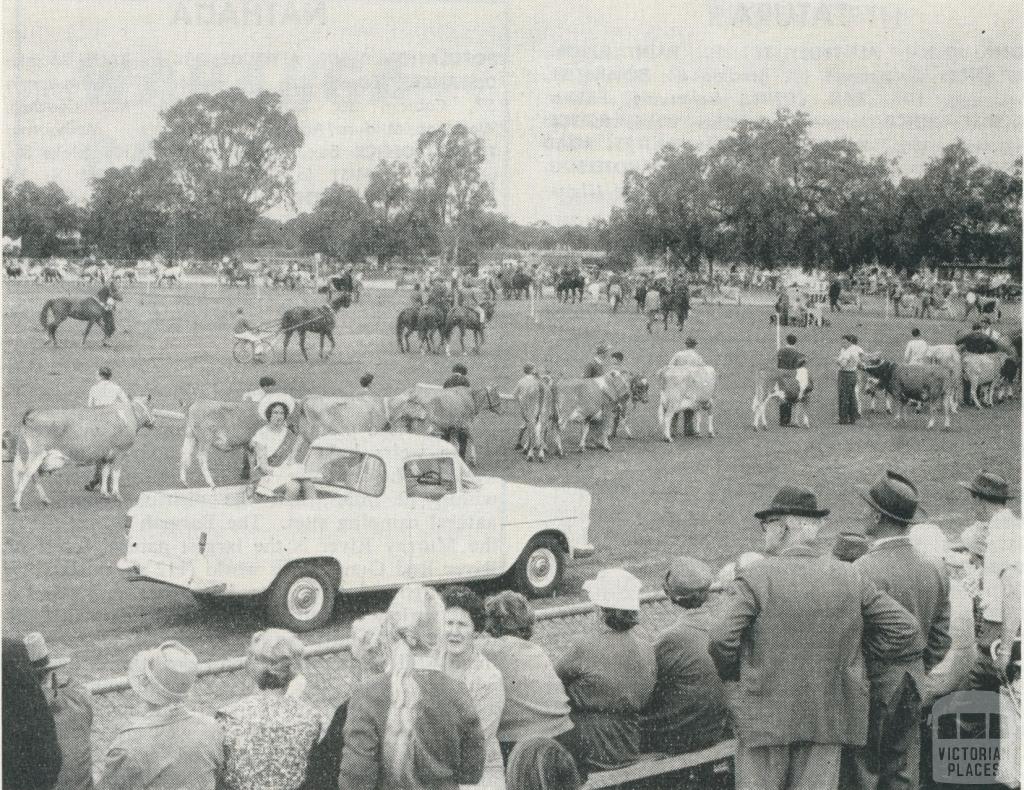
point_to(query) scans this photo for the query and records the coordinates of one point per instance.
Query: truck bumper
(196, 584)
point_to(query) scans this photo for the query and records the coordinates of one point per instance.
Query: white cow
(684, 388)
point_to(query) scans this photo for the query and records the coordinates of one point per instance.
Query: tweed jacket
(791, 633)
(919, 586)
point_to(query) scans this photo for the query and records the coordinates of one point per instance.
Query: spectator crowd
(822, 664)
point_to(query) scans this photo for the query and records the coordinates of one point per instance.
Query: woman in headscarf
(414, 727)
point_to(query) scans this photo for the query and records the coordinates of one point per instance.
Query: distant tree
(41, 216)
(339, 226)
(233, 157)
(130, 213)
(389, 198)
(452, 191)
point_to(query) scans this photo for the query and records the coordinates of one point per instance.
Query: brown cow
(53, 438)
(449, 413)
(212, 423)
(318, 415)
(587, 401)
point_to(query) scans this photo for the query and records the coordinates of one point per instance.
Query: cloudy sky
(566, 95)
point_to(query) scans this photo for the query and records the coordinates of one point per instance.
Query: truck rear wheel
(539, 569)
(302, 597)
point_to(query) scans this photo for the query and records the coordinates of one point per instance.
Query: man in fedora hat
(997, 532)
(687, 711)
(167, 746)
(31, 751)
(72, 715)
(891, 756)
(791, 632)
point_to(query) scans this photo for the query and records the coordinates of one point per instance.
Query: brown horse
(92, 310)
(312, 319)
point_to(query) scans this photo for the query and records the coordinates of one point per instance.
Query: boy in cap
(791, 632)
(898, 683)
(687, 711)
(72, 715)
(998, 530)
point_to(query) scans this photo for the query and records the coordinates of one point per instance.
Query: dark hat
(105, 372)
(990, 486)
(267, 381)
(691, 343)
(39, 654)
(617, 355)
(893, 496)
(686, 576)
(791, 339)
(459, 368)
(366, 380)
(849, 546)
(793, 501)
(850, 338)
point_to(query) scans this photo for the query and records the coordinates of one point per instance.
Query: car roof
(384, 443)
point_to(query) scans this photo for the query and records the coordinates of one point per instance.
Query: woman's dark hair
(460, 597)
(509, 614)
(791, 339)
(620, 619)
(277, 405)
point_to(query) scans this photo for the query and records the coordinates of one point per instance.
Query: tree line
(768, 194)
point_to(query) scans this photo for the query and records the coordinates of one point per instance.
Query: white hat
(164, 674)
(930, 542)
(273, 399)
(614, 588)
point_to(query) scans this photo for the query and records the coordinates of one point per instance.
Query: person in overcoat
(891, 756)
(791, 633)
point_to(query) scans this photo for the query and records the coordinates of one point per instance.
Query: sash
(284, 449)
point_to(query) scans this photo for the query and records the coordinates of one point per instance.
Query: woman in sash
(274, 444)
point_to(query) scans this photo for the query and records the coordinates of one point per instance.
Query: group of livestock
(435, 320)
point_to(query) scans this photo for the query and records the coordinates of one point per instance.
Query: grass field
(650, 500)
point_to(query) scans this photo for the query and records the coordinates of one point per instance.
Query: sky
(567, 96)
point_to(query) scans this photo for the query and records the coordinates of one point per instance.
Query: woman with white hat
(268, 735)
(609, 674)
(273, 443)
(167, 746)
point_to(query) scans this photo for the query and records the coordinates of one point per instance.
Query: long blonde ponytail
(414, 622)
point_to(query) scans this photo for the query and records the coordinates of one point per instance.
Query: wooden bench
(659, 764)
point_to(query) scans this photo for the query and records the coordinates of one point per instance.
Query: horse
(172, 274)
(239, 276)
(13, 270)
(407, 324)
(51, 273)
(463, 318)
(570, 287)
(92, 310)
(430, 320)
(318, 319)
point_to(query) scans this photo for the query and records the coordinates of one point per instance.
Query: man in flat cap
(891, 756)
(791, 633)
(687, 711)
(996, 534)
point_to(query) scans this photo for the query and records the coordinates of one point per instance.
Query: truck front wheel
(539, 568)
(302, 597)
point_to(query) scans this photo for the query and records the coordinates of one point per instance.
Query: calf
(52, 438)
(790, 385)
(684, 388)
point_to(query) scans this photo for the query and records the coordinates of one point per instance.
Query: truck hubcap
(305, 598)
(542, 567)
